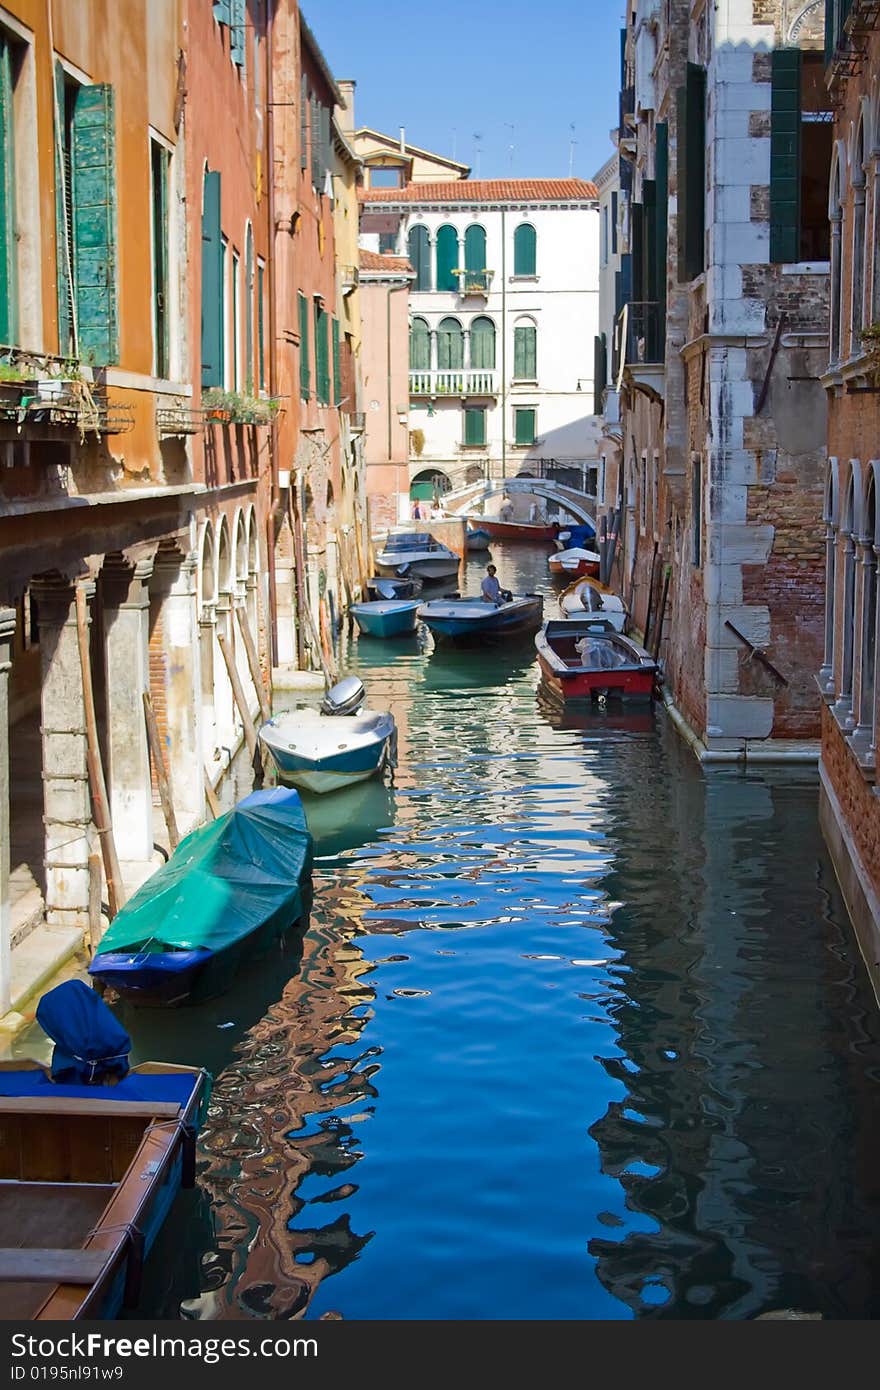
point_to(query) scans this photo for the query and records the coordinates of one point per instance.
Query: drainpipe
(503, 348)
(392, 289)
(274, 496)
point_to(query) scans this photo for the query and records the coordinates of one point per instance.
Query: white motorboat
(415, 553)
(335, 746)
(588, 599)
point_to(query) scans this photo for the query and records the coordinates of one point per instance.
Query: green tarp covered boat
(229, 889)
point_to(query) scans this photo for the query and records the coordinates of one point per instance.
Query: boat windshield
(411, 541)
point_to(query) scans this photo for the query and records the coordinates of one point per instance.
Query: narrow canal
(577, 1031)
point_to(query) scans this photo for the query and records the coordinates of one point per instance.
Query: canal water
(578, 1030)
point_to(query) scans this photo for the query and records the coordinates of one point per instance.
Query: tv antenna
(508, 125)
(571, 144)
(478, 135)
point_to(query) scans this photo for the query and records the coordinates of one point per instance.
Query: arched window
(447, 258)
(419, 346)
(867, 683)
(418, 247)
(849, 593)
(525, 250)
(858, 243)
(830, 517)
(475, 256)
(835, 212)
(482, 343)
(450, 344)
(249, 306)
(525, 350)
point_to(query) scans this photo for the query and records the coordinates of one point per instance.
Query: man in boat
(491, 590)
(505, 511)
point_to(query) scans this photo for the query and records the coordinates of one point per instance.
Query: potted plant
(417, 441)
(216, 404)
(871, 344)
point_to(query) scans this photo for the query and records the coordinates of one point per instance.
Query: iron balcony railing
(455, 382)
(474, 281)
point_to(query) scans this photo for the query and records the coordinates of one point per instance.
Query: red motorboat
(574, 564)
(578, 662)
(515, 530)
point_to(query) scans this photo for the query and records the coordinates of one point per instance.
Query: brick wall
(859, 805)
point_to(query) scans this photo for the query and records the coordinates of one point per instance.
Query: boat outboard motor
(91, 1045)
(344, 698)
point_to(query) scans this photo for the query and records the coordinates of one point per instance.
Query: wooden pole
(661, 613)
(316, 642)
(253, 662)
(94, 902)
(250, 732)
(211, 797)
(651, 588)
(97, 785)
(155, 742)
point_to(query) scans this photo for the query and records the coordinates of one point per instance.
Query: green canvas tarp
(248, 869)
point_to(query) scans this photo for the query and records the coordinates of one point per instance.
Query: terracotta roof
(375, 260)
(487, 191)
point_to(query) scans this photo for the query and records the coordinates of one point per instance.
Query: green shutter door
(661, 232)
(524, 426)
(785, 135)
(322, 367)
(450, 344)
(212, 283)
(483, 343)
(159, 181)
(600, 372)
(94, 203)
(336, 398)
(475, 426)
(525, 356)
(8, 287)
(419, 346)
(691, 172)
(419, 252)
(261, 369)
(447, 258)
(303, 123)
(249, 312)
(237, 32)
(221, 11)
(305, 376)
(525, 242)
(63, 229)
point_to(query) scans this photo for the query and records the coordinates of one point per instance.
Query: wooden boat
(517, 530)
(466, 620)
(227, 892)
(416, 554)
(336, 746)
(388, 586)
(574, 564)
(477, 538)
(89, 1170)
(385, 618)
(589, 599)
(579, 662)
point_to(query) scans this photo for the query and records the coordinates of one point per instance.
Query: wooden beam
(21, 1265)
(97, 785)
(94, 901)
(155, 742)
(250, 732)
(250, 647)
(82, 1105)
(211, 797)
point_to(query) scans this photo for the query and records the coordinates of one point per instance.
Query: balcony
(457, 382)
(474, 282)
(640, 344)
(349, 278)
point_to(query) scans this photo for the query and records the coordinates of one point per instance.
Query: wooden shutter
(525, 353)
(419, 346)
(237, 31)
(614, 223)
(637, 246)
(63, 228)
(8, 287)
(600, 371)
(661, 230)
(303, 123)
(336, 398)
(482, 343)
(691, 172)
(524, 425)
(222, 11)
(785, 140)
(475, 250)
(305, 376)
(450, 344)
(447, 258)
(94, 201)
(419, 252)
(474, 425)
(212, 283)
(261, 369)
(159, 181)
(322, 363)
(525, 248)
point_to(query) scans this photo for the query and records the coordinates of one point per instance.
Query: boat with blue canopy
(93, 1153)
(385, 617)
(228, 891)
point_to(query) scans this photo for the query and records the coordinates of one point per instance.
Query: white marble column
(7, 632)
(127, 651)
(174, 584)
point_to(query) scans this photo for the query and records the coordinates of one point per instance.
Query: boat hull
(392, 619)
(327, 753)
(429, 571)
(478, 539)
(518, 530)
(589, 685)
(583, 569)
(472, 621)
(630, 674)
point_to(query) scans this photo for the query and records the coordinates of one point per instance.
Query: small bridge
(578, 504)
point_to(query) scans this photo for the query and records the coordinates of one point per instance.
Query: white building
(611, 290)
(504, 312)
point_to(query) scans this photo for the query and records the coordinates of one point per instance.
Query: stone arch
(240, 553)
(207, 566)
(225, 559)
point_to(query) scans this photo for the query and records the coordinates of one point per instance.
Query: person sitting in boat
(505, 511)
(491, 590)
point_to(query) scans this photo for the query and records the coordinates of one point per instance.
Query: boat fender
(188, 1156)
(134, 1268)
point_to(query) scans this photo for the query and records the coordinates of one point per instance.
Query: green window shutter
(450, 344)
(830, 35)
(525, 250)
(637, 247)
(524, 425)
(785, 137)
(303, 123)
(159, 190)
(261, 368)
(691, 172)
(661, 230)
(63, 229)
(8, 286)
(525, 355)
(475, 426)
(305, 376)
(322, 362)
(337, 392)
(249, 307)
(418, 248)
(237, 31)
(94, 201)
(447, 258)
(475, 250)
(600, 372)
(212, 283)
(483, 343)
(614, 223)
(419, 346)
(222, 11)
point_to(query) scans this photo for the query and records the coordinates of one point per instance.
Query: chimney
(403, 139)
(345, 116)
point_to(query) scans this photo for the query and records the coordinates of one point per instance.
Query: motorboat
(94, 1153)
(574, 564)
(228, 891)
(385, 617)
(477, 538)
(518, 530)
(589, 599)
(579, 662)
(416, 554)
(456, 619)
(581, 536)
(321, 750)
(388, 587)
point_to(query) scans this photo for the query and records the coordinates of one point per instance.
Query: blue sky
(516, 74)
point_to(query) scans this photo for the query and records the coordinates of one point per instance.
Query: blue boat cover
(90, 1042)
(577, 537)
(146, 1086)
(223, 882)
